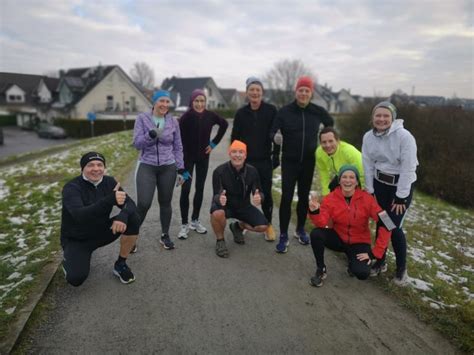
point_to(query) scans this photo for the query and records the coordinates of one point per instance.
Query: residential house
(341, 102)
(181, 89)
(105, 90)
(234, 98)
(28, 97)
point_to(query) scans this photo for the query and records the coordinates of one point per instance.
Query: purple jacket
(165, 150)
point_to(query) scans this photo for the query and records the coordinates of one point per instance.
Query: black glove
(333, 184)
(152, 133)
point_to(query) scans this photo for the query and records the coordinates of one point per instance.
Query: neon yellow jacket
(328, 166)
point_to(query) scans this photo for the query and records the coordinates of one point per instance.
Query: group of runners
(375, 184)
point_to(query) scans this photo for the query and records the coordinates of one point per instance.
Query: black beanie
(90, 157)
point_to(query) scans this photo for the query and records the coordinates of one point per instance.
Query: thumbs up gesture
(313, 201)
(120, 196)
(257, 198)
(223, 198)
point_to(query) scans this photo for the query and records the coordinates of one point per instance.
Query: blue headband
(160, 93)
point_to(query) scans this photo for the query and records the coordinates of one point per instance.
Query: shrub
(443, 136)
(8, 120)
(80, 128)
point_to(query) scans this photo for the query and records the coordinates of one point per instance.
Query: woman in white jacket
(389, 159)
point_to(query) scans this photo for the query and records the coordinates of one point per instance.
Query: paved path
(18, 141)
(190, 301)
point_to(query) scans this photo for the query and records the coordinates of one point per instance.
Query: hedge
(8, 120)
(80, 128)
(443, 136)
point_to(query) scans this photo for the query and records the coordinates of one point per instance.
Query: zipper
(304, 129)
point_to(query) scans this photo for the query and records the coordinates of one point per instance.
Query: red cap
(305, 81)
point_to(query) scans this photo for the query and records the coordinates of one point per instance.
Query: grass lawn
(440, 260)
(30, 201)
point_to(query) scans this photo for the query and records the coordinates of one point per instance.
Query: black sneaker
(123, 272)
(317, 280)
(166, 241)
(221, 249)
(237, 232)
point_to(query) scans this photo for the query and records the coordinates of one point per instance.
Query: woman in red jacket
(349, 208)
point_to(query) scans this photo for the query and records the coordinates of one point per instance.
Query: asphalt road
(18, 141)
(188, 300)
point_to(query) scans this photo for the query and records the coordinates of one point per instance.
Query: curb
(17, 326)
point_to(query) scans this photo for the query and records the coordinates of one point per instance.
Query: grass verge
(30, 194)
(440, 262)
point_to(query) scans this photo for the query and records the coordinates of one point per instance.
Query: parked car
(46, 130)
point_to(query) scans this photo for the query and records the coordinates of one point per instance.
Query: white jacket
(391, 153)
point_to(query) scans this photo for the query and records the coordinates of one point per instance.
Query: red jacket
(351, 221)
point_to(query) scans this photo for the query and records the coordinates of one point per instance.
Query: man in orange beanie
(299, 124)
(234, 184)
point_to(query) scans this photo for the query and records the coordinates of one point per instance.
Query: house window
(209, 90)
(133, 104)
(15, 98)
(110, 103)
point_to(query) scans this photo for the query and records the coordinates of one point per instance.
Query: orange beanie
(238, 145)
(305, 81)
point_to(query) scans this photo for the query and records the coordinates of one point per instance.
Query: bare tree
(143, 74)
(281, 80)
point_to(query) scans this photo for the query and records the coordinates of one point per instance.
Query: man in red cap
(296, 127)
(234, 183)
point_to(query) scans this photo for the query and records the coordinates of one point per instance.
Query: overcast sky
(366, 46)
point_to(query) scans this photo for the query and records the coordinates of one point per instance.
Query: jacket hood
(396, 125)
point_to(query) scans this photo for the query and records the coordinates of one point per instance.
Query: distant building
(234, 98)
(181, 89)
(341, 102)
(28, 97)
(105, 90)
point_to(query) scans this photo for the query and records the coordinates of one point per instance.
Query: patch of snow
(445, 255)
(420, 284)
(417, 254)
(13, 276)
(444, 277)
(16, 220)
(10, 310)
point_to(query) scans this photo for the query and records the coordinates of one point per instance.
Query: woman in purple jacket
(196, 126)
(156, 135)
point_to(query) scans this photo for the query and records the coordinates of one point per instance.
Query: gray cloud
(365, 46)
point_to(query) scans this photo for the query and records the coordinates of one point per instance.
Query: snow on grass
(420, 284)
(30, 201)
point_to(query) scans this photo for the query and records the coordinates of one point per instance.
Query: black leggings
(200, 180)
(322, 238)
(77, 253)
(265, 172)
(162, 178)
(293, 173)
(385, 194)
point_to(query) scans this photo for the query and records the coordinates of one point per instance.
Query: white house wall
(43, 93)
(16, 91)
(114, 84)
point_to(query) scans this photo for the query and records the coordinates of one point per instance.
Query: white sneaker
(401, 278)
(183, 232)
(197, 226)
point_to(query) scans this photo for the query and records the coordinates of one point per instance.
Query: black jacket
(86, 208)
(300, 127)
(253, 128)
(237, 184)
(196, 133)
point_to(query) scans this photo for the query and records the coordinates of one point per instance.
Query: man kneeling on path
(233, 182)
(86, 224)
